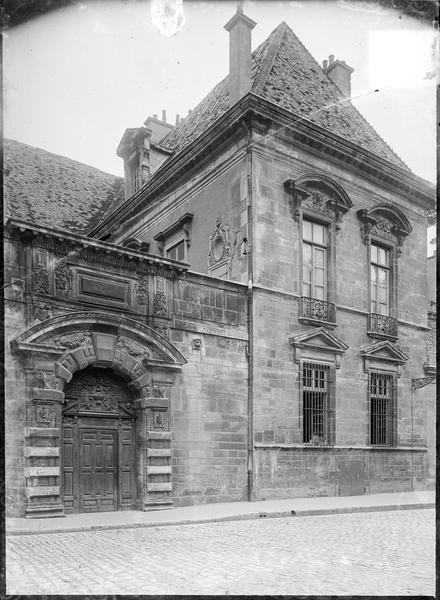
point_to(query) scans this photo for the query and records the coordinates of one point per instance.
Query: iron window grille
(318, 404)
(382, 409)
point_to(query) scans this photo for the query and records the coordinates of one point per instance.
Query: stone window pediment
(318, 343)
(385, 355)
(384, 223)
(317, 195)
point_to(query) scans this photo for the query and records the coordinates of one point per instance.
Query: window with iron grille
(382, 409)
(318, 403)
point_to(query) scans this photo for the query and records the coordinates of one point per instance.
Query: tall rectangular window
(380, 280)
(382, 421)
(317, 404)
(314, 280)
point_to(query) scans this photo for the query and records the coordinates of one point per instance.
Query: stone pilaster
(43, 453)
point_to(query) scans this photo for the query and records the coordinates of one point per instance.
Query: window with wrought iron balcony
(380, 324)
(314, 306)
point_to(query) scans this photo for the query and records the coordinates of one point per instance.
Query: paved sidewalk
(225, 511)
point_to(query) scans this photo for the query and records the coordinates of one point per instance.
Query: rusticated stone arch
(82, 339)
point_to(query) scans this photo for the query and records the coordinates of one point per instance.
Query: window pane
(373, 253)
(181, 251)
(307, 230)
(383, 277)
(318, 293)
(318, 233)
(382, 256)
(319, 277)
(307, 253)
(383, 309)
(319, 257)
(307, 290)
(373, 274)
(382, 294)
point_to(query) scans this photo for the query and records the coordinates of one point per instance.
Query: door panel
(98, 477)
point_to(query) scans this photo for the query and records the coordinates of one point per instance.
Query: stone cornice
(61, 242)
(302, 130)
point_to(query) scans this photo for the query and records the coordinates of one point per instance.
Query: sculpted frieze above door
(98, 391)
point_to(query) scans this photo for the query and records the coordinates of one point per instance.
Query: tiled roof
(285, 73)
(55, 191)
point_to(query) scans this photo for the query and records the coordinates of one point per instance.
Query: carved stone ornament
(318, 194)
(196, 343)
(219, 244)
(421, 382)
(383, 228)
(159, 421)
(317, 202)
(130, 348)
(97, 393)
(40, 279)
(155, 391)
(162, 330)
(63, 275)
(160, 304)
(44, 413)
(74, 340)
(42, 311)
(45, 380)
(386, 222)
(142, 291)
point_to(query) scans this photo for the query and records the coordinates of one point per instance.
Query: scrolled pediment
(317, 194)
(384, 221)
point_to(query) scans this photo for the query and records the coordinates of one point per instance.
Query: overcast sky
(76, 78)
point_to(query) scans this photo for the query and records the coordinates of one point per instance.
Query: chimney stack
(164, 116)
(239, 28)
(340, 73)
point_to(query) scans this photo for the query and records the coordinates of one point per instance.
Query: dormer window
(174, 241)
(176, 251)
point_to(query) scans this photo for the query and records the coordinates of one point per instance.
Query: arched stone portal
(53, 352)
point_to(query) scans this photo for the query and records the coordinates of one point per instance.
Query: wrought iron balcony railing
(318, 310)
(382, 325)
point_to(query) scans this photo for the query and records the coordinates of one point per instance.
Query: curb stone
(238, 517)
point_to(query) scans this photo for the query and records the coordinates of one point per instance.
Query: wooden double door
(98, 449)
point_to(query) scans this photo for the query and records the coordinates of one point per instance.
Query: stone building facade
(245, 318)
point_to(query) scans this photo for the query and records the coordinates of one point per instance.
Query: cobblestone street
(375, 553)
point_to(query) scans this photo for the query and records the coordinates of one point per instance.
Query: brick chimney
(240, 81)
(340, 73)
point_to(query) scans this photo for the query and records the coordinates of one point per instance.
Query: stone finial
(164, 116)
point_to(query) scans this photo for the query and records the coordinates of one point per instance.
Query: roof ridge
(56, 155)
(274, 46)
